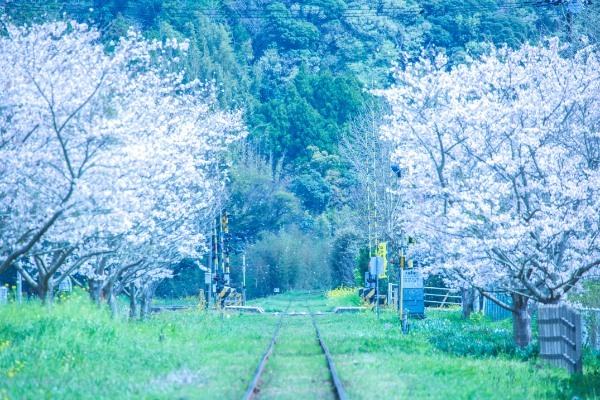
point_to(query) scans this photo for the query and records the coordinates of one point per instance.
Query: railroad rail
(255, 382)
(254, 387)
(337, 383)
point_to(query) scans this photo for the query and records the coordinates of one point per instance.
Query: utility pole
(215, 257)
(225, 246)
(208, 279)
(401, 281)
(19, 288)
(377, 284)
(244, 279)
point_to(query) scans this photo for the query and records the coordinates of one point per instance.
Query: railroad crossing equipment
(228, 296)
(376, 271)
(382, 253)
(225, 295)
(201, 299)
(369, 296)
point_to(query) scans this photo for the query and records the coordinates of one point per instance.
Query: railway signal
(224, 293)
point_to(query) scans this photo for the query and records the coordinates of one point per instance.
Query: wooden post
(578, 366)
(444, 299)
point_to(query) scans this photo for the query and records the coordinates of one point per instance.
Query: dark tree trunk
(147, 295)
(112, 302)
(133, 305)
(144, 313)
(46, 291)
(468, 301)
(95, 291)
(521, 320)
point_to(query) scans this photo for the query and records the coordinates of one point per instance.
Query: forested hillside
(302, 74)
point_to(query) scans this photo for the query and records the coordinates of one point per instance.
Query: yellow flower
(11, 374)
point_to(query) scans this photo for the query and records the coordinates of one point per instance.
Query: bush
(477, 337)
(343, 297)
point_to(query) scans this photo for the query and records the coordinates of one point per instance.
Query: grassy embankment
(75, 351)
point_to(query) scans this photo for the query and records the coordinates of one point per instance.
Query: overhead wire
(301, 13)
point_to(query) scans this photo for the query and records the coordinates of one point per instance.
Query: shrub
(343, 296)
(477, 337)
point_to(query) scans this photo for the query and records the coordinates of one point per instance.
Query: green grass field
(76, 351)
(293, 302)
(421, 365)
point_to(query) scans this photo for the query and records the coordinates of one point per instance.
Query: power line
(300, 14)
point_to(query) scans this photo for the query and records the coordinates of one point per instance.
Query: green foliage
(477, 337)
(363, 262)
(212, 56)
(345, 247)
(589, 295)
(359, 279)
(289, 33)
(291, 125)
(456, 25)
(343, 297)
(332, 9)
(259, 197)
(314, 191)
(187, 281)
(310, 111)
(289, 259)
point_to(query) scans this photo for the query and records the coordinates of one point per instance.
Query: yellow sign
(382, 252)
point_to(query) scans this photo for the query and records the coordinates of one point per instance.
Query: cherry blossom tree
(102, 150)
(505, 154)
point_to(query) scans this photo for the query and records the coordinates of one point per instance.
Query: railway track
(335, 389)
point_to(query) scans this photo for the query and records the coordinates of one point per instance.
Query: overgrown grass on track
(297, 368)
(76, 351)
(300, 301)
